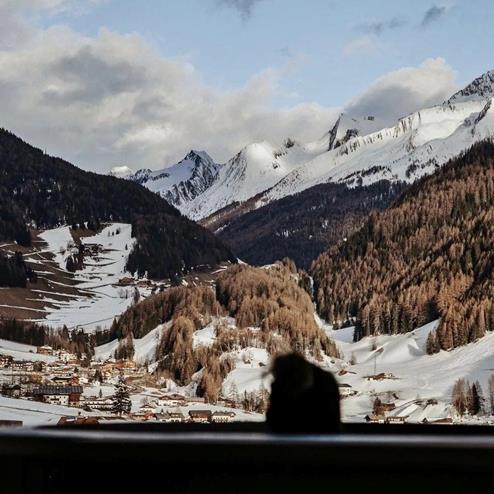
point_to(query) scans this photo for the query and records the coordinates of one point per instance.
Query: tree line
(304, 225)
(429, 256)
(75, 341)
(468, 398)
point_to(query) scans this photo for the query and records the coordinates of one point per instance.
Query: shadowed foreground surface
(244, 458)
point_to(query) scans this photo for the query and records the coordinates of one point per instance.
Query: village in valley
(91, 392)
(383, 379)
(87, 391)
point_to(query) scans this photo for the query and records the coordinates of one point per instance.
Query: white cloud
(406, 90)
(15, 30)
(111, 100)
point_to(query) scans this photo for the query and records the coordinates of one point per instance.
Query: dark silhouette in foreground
(304, 398)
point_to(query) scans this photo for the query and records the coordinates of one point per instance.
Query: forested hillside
(39, 191)
(430, 255)
(14, 271)
(304, 225)
(271, 309)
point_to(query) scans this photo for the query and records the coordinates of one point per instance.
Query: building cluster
(63, 380)
(157, 410)
(426, 411)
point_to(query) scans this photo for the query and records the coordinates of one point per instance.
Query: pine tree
(474, 402)
(432, 345)
(377, 406)
(233, 393)
(121, 398)
(490, 393)
(480, 394)
(459, 396)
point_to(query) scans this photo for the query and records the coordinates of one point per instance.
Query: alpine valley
(369, 250)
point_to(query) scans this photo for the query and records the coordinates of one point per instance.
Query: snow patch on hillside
(33, 413)
(101, 299)
(250, 373)
(415, 377)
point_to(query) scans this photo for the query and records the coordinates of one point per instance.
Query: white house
(171, 417)
(222, 417)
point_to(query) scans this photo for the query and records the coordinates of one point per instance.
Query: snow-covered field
(100, 300)
(251, 371)
(416, 376)
(145, 347)
(34, 413)
(418, 384)
(20, 351)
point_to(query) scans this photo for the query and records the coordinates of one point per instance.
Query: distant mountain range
(357, 151)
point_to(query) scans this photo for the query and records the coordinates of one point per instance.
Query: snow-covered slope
(358, 150)
(348, 127)
(21, 351)
(480, 88)
(34, 413)
(253, 170)
(99, 297)
(415, 146)
(182, 182)
(420, 385)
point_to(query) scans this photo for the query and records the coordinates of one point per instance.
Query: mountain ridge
(39, 191)
(357, 150)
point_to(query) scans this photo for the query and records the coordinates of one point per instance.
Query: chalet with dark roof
(59, 395)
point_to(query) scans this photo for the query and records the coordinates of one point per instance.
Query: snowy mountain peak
(348, 127)
(197, 156)
(480, 88)
(141, 176)
(358, 150)
(183, 181)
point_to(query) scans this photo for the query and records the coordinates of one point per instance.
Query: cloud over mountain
(110, 99)
(403, 91)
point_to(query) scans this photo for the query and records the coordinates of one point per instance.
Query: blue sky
(107, 83)
(313, 39)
